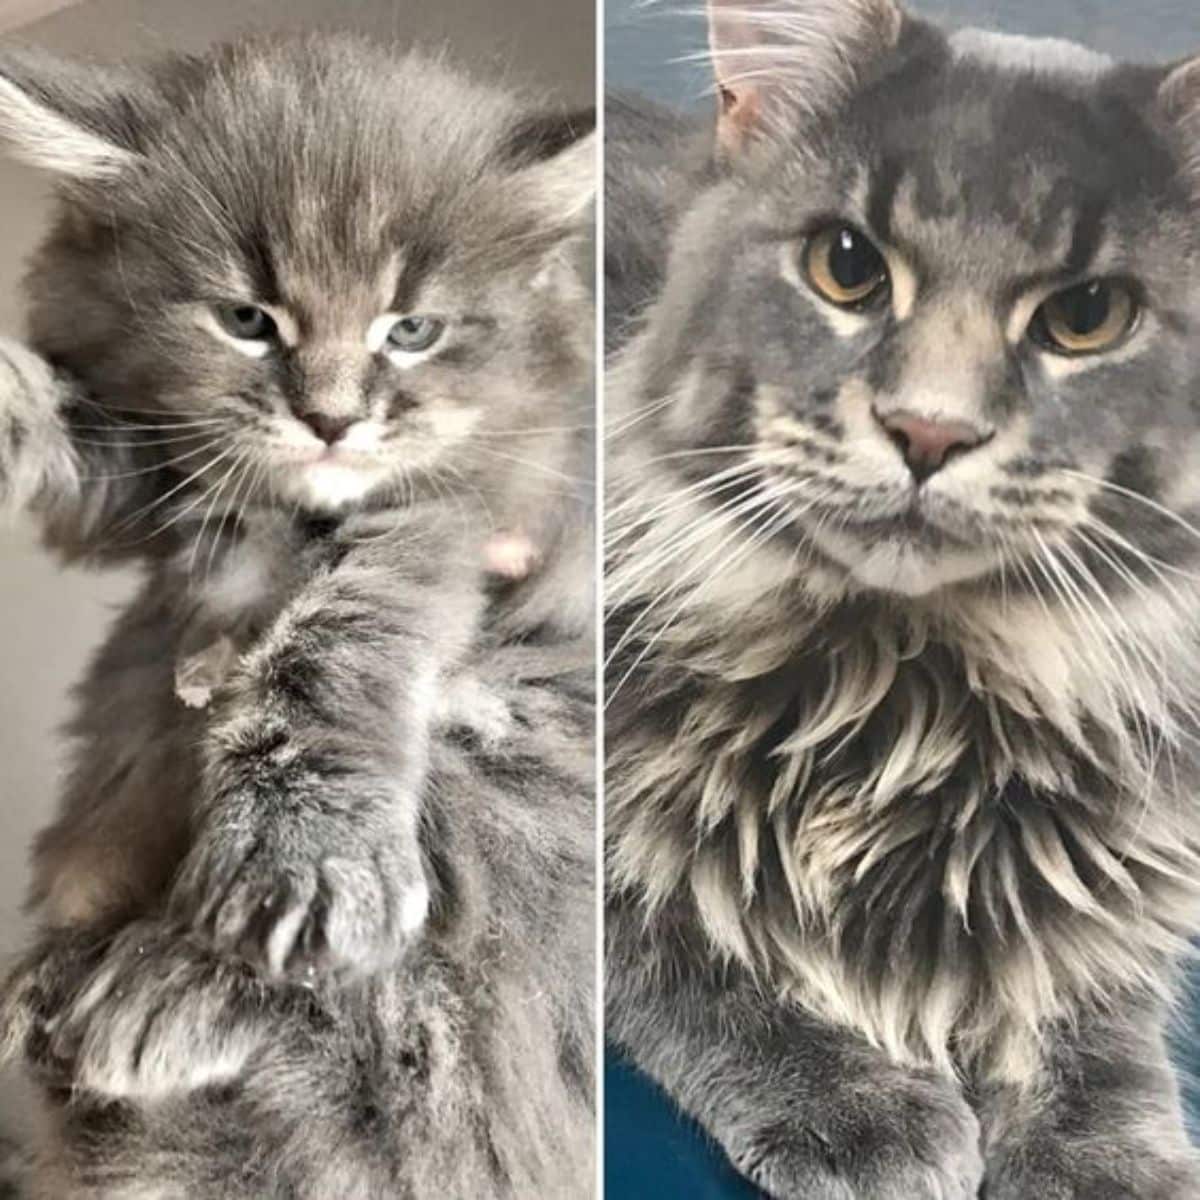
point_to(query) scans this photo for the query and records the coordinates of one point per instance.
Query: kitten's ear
(1179, 99)
(553, 157)
(804, 53)
(63, 116)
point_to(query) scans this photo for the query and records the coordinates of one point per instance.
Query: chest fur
(894, 844)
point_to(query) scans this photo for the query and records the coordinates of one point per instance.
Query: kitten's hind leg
(1105, 1123)
(146, 1015)
(803, 1109)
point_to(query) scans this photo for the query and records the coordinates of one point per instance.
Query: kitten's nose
(329, 427)
(928, 445)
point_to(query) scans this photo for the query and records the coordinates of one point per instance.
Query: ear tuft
(62, 116)
(1179, 99)
(554, 157)
(769, 55)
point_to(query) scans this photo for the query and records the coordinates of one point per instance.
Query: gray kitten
(903, 837)
(307, 336)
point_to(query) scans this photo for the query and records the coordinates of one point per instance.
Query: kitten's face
(955, 326)
(341, 274)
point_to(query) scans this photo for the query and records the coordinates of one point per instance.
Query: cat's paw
(296, 908)
(908, 1138)
(157, 1015)
(1101, 1168)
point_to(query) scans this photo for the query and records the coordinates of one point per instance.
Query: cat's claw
(294, 916)
(913, 1139)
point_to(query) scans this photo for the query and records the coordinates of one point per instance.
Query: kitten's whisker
(215, 493)
(530, 464)
(166, 463)
(145, 510)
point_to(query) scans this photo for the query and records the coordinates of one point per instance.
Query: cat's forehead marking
(1052, 56)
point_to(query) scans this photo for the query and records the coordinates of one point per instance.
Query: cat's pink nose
(928, 445)
(330, 428)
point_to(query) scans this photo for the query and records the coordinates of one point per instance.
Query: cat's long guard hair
(923, 768)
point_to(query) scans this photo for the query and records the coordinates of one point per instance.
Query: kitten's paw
(292, 912)
(158, 1016)
(33, 450)
(1103, 1168)
(910, 1138)
(33, 997)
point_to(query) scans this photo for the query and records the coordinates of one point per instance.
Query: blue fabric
(653, 1152)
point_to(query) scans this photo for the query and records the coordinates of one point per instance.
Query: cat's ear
(66, 117)
(553, 159)
(1179, 99)
(767, 54)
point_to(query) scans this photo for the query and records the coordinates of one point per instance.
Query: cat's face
(953, 320)
(338, 273)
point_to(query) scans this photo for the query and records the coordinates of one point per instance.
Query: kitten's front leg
(805, 1110)
(307, 853)
(37, 461)
(1104, 1124)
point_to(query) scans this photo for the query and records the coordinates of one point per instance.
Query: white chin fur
(902, 569)
(329, 485)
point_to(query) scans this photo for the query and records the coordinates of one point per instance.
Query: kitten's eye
(246, 322)
(844, 267)
(414, 334)
(1087, 319)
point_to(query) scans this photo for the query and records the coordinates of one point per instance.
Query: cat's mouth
(918, 546)
(931, 525)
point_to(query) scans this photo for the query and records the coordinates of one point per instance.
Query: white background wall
(50, 618)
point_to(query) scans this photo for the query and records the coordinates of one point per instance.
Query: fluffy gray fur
(901, 773)
(331, 934)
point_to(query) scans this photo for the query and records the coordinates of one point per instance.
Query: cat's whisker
(621, 528)
(705, 528)
(1116, 489)
(640, 414)
(776, 516)
(694, 531)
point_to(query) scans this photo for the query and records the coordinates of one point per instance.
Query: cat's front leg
(307, 852)
(1103, 1124)
(805, 1110)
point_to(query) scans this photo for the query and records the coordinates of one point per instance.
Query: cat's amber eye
(247, 322)
(1087, 319)
(844, 267)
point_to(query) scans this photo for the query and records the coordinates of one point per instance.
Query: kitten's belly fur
(949, 926)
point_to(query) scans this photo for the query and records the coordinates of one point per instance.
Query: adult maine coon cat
(902, 774)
